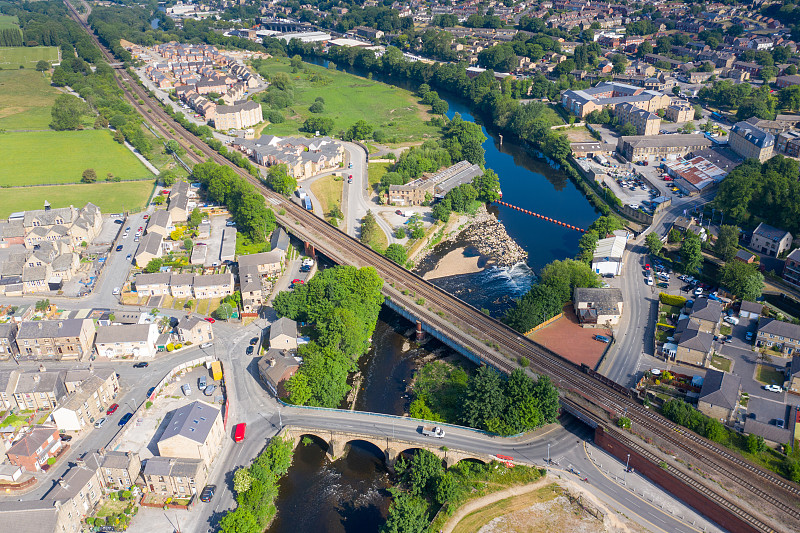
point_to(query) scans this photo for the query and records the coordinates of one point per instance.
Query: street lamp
(548, 453)
(625, 474)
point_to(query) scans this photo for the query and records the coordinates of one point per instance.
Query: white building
(607, 258)
(136, 340)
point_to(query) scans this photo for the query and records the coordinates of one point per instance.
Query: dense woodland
(342, 303)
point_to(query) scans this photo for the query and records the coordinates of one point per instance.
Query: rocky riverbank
(489, 236)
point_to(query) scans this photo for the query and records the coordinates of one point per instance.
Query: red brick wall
(701, 503)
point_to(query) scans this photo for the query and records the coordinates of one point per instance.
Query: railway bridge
(391, 447)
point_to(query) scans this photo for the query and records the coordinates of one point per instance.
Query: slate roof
(770, 432)
(48, 329)
(283, 326)
(751, 307)
(771, 326)
(169, 466)
(34, 440)
(150, 243)
(29, 516)
(189, 322)
(74, 480)
(211, 280)
(156, 278)
(122, 333)
(114, 459)
(707, 309)
(279, 240)
(753, 134)
(193, 421)
(273, 372)
(263, 258)
(720, 388)
(605, 300)
(692, 338)
(160, 218)
(770, 233)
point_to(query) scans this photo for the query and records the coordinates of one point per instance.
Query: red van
(238, 434)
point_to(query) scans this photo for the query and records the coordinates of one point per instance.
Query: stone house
(88, 403)
(195, 431)
(160, 222)
(706, 313)
(719, 395)
(781, 336)
(32, 389)
(149, 249)
(598, 307)
(213, 286)
(770, 241)
(275, 368)
(266, 263)
(194, 329)
(174, 477)
(129, 340)
(283, 334)
(8, 340)
(155, 284)
(694, 345)
(80, 489)
(56, 339)
(119, 470)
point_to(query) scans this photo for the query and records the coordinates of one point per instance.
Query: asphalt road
(635, 331)
(356, 195)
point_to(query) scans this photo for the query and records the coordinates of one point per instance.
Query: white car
(731, 320)
(698, 291)
(115, 292)
(773, 388)
(100, 423)
(649, 281)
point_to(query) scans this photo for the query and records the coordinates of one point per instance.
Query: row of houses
(197, 286)
(53, 241)
(77, 339)
(302, 157)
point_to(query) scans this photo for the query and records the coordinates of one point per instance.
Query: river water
(350, 495)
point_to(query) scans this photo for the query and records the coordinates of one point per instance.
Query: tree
(89, 176)
(242, 480)
(440, 107)
(644, 49)
(316, 107)
(727, 242)
(174, 147)
(239, 521)
(195, 218)
(484, 398)
(296, 62)
(742, 280)
(167, 178)
(396, 253)
(359, 131)
(691, 254)
(674, 235)
(323, 125)
(698, 112)
(67, 113)
(223, 312)
(653, 243)
(488, 186)
(425, 469)
(627, 129)
(407, 514)
(42, 65)
(188, 244)
(279, 180)
(42, 305)
(369, 228)
(755, 444)
(154, 265)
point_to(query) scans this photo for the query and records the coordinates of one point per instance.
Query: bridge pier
(336, 448)
(310, 251)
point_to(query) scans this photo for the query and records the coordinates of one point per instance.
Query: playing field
(109, 197)
(27, 56)
(348, 98)
(51, 157)
(25, 100)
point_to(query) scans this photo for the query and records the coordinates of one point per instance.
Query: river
(350, 495)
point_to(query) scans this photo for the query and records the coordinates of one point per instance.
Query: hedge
(670, 299)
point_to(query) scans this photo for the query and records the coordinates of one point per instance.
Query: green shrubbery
(671, 299)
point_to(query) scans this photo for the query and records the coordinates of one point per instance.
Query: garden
(117, 511)
(669, 310)
(661, 387)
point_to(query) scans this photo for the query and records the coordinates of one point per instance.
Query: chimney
(272, 362)
(46, 205)
(42, 368)
(63, 483)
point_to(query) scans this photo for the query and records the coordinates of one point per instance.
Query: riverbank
(477, 242)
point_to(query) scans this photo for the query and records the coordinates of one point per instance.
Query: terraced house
(56, 339)
(781, 336)
(89, 401)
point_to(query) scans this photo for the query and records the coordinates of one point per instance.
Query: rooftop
(720, 388)
(193, 421)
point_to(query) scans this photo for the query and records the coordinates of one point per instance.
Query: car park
(100, 423)
(112, 409)
(124, 420)
(142, 364)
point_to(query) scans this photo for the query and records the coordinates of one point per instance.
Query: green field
(25, 100)
(51, 157)
(27, 56)
(109, 197)
(8, 21)
(349, 98)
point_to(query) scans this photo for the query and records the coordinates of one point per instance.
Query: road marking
(659, 510)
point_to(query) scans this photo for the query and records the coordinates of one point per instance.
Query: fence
(545, 323)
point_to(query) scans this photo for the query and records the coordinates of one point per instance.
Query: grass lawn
(720, 363)
(328, 191)
(202, 307)
(376, 172)
(769, 375)
(477, 519)
(8, 21)
(109, 197)
(111, 507)
(246, 247)
(68, 154)
(725, 330)
(348, 98)
(25, 100)
(11, 57)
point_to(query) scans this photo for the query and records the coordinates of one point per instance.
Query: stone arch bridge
(337, 442)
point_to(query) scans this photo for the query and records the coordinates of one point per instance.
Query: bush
(148, 405)
(275, 116)
(170, 347)
(671, 299)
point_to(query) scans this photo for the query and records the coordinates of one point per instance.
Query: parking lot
(144, 432)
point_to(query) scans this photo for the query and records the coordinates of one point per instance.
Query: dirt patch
(455, 262)
(569, 340)
(579, 135)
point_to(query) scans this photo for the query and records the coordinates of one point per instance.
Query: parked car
(124, 419)
(239, 431)
(209, 320)
(208, 493)
(748, 336)
(207, 345)
(201, 382)
(698, 291)
(150, 391)
(187, 389)
(398, 212)
(119, 248)
(249, 350)
(100, 423)
(143, 364)
(115, 292)
(209, 390)
(773, 388)
(117, 221)
(602, 338)
(65, 437)
(112, 409)
(128, 257)
(649, 281)
(731, 320)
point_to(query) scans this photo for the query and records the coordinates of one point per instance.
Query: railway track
(465, 324)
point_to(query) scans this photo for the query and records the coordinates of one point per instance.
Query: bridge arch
(316, 439)
(371, 446)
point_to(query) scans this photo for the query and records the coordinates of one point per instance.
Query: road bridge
(338, 440)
